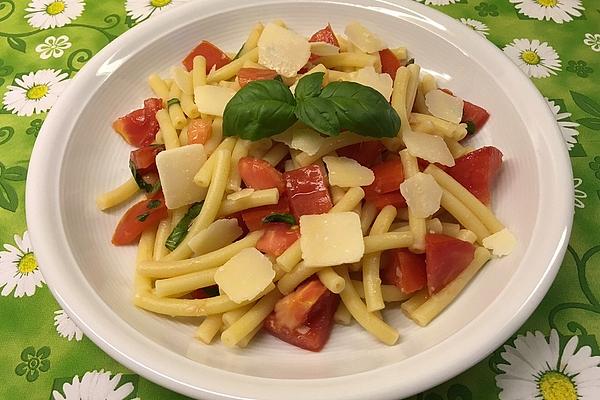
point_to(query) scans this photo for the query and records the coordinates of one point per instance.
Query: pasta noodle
(174, 107)
(118, 195)
(158, 86)
(209, 328)
(276, 154)
(239, 150)
(162, 233)
(387, 241)
(255, 199)
(199, 71)
(184, 283)
(230, 70)
(331, 280)
(390, 293)
(417, 225)
(168, 130)
(348, 60)
(463, 215)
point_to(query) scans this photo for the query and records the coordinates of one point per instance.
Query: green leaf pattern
(557, 43)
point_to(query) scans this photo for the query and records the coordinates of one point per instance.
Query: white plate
(77, 156)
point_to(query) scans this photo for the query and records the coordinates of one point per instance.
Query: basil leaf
(142, 217)
(471, 129)
(153, 204)
(139, 179)
(181, 229)
(362, 109)
(261, 109)
(172, 101)
(320, 114)
(239, 53)
(309, 86)
(280, 217)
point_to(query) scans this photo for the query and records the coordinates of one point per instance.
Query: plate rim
(43, 220)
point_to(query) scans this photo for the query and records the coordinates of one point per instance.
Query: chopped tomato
(325, 35)
(388, 199)
(139, 127)
(366, 154)
(142, 163)
(445, 258)
(404, 269)
(141, 216)
(214, 56)
(389, 62)
(144, 159)
(307, 191)
(474, 115)
(253, 217)
(304, 318)
(199, 131)
(388, 177)
(259, 174)
(247, 75)
(198, 294)
(477, 170)
(277, 238)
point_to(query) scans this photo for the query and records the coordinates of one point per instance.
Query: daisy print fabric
(47, 14)
(53, 47)
(19, 272)
(559, 11)
(140, 10)
(536, 59)
(66, 327)
(537, 368)
(95, 385)
(35, 92)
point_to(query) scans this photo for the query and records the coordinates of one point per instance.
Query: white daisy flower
(536, 369)
(66, 327)
(46, 14)
(537, 60)
(139, 10)
(19, 269)
(567, 128)
(35, 92)
(53, 47)
(437, 2)
(592, 40)
(558, 11)
(477, 26)
(94, 386)
(579, 194)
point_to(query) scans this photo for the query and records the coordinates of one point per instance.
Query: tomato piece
(366, 154)
(404, 269)
(477, 170)
(253, 217)
(307, 191)
(139, 127)
(277, 238)
(325, 35)
(141, 216)
(475, 115)
(388, 199)
(310, 303)
(199, 131)
(389, 62)
(247, 75)
(259, 174)
(445, 258)
(388, 177)
(215, 57)
(144, 159)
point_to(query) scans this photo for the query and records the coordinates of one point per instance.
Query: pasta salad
(304, 182)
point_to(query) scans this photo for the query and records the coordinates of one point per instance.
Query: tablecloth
(553, 356)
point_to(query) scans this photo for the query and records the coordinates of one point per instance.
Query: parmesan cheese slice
(346, 172)
(428, 147)
(176, 169)
(212, 99)
(282, 50)
(501, 243)
(323, 49)
(245, 275)
(442, 105)
(307, 140)
(331, 239)
(362, 38)
(369, 77)
(422, 194)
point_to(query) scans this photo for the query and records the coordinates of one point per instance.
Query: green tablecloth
(554, 356)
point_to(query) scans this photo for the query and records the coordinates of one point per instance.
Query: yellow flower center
(547, 3)
(530, 57)
(557, 386)
(27, 264)
(160, 3)
(56, 7)
(37, 92)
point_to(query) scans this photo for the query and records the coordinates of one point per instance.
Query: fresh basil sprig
(181, 229)
(265, 108)
(280, 217)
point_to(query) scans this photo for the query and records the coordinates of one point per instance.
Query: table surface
(553, 356)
